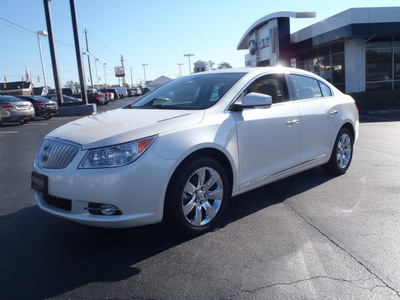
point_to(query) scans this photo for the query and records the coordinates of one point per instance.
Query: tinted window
(306, 87)
(273, 85)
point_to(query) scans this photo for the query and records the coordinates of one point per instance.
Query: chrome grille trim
(56, 154)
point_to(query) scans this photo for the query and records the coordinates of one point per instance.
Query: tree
(126, 85)
(210, 65)
(224, 65)
(73, 85)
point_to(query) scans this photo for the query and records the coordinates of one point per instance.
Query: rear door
(318, 113)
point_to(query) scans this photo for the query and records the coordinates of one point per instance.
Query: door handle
(292, 122)
(333, 112)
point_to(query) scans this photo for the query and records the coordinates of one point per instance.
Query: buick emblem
(46, 153)
(252, 47)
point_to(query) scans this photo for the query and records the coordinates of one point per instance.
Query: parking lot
(310, 236)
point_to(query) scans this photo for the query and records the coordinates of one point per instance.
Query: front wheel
(342, 153)
(197, 196)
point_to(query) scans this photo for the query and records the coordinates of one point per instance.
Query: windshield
(191, 92)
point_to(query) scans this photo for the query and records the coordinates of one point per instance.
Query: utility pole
(78, 52)
(88, 57)
(53, 51)
(123, 77)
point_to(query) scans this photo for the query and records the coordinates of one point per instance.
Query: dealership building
(357, 50)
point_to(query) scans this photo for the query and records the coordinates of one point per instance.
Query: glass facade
(382, 63)
(327, 62)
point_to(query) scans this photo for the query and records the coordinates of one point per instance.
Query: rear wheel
(24, 121)
(197, 196)
(342, 153)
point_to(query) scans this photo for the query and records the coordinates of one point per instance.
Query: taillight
(38, 105)
(355, 102)
(7, 106)
(97, 96)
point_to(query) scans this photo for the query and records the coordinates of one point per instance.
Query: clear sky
(153, 32)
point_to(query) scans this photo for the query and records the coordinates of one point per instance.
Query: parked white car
(182, 150)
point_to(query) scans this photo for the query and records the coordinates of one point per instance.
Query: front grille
(55, 154)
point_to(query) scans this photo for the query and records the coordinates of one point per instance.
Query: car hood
(124, 125)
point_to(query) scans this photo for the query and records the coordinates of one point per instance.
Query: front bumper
(137, 190)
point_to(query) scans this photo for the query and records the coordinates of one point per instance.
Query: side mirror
(254, 100)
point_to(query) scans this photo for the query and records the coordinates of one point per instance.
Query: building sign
(199, 66)
(119, 72)
(263, 43)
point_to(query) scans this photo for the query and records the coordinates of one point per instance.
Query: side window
(306, 87)
(326, 91)
(273, 85)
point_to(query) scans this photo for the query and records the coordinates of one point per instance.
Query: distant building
(158, 82)
(199, 66)
(39, 91)
(16, 88)
(356, 50)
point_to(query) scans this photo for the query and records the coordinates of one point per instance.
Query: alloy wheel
(202, 196)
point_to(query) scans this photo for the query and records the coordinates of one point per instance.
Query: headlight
(115, 156)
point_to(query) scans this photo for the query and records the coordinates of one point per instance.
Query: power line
(31, 31)
(18, 25)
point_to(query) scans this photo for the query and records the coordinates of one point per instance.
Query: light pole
(188, 56)
(131, 78)
(97, 76)
(42, 33)
(105, 77)
(144, 71)
(83, 88)
(180, 72)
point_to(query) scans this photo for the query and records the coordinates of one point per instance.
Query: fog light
(103, 209)
(108, 210)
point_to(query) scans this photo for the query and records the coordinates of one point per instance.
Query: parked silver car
(17, 110)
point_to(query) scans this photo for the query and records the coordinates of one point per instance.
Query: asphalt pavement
(310, 236)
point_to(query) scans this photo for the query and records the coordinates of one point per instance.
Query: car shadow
(44, 256)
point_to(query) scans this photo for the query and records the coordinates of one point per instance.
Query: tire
(48, 117)
(25, 121)
(197, 196)
(342, 153)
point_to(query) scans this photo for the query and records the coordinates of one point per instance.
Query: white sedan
(183, 150)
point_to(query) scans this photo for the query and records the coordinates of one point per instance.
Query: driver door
(268, 138)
